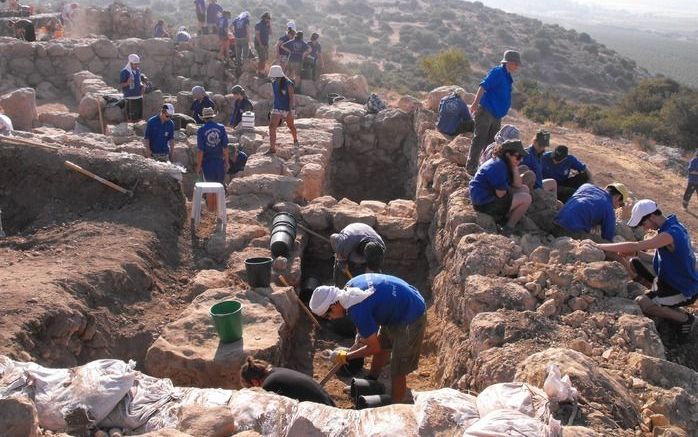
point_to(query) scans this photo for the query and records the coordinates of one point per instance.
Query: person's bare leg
(292, 127)
(378, 362)
(398, 387)
(273, 123)
(652, 309)
(519, 205)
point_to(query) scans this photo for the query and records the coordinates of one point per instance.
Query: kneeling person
(282, 381)
(390, 315)
(359, 248)
(590, 206)
(676, 282)
(212, 156)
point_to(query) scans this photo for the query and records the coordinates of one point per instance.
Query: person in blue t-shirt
(674, 262)
(159, 134)
(201, 101)
(497, 188)
(240, 104)
(558, 165)
(534, 161)
(390, 315)
(223, 37)
(692, 180)
(315, 56)
(132, 87)
(592, 206)
(262, 30)
(212, 158)
(491, 104)
(241, 31)
(237, 161)
(213, 12)
(297, 50)
(200, 8)
(283, 106)
(454, 116)
(282, 55)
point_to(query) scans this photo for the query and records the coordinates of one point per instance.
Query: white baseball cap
(169, 108)
(641, 209)
(276, 71)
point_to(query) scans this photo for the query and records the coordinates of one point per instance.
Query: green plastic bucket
(227, 318)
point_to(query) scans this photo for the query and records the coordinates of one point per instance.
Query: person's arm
(629, 247)
(171, 140)
(476, 101)
(146, 141)
(516, 181)
(226, 153)
(368, 346)
(291, 98)
(307, 52)
(126, 79)
(284, 48)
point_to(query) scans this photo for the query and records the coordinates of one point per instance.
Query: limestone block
(401, 208)
(579, 431)
(105, 48)
(61, 120)
(313, 176)
(206, 421)
(316, 216)
(326, 201)
(114, 115)
(484, 254)
(279, 188)
(83, 53)
(409, 104)
(351, 87)
(189, 351)
(566, 250)
(346, 212)
(424, 206)
(18, 417)
(339, 111)
(611, 277)
(395, 228)
(392, 126)
(20, 106)
(374, 205)
(206, 280)
(641, 335)
(435, 95)
(20, 49)
(263, 164)
(128, 46)
(152, 103)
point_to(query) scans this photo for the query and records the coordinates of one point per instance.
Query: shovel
(109, 184)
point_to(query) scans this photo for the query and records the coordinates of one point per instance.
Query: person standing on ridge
(692, 180)
(132, 87)
(241, 31)
(262, 30)
(491, 104)
(283, 106)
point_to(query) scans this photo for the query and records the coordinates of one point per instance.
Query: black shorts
(661, 293)
(498, 208)
(201, 16)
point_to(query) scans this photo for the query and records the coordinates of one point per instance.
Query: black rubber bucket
(283, 234)
(372, 401)
(258, 271)
(365, 387)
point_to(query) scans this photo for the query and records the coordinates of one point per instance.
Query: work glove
(338, 356)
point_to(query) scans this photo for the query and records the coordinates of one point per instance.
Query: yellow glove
(339, 357)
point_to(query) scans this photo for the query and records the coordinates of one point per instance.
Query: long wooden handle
(331, 373)
(305, 308)
(24, 141)
(87, 173)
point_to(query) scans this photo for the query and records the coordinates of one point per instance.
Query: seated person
(201, 101)
(506, 133)
(182, 35)
(285, 382)
(160, 31)
(590, 206)
(240, 104)
(454, 116)
(359, 248)
(676, 282)
(558, 165)
(534, 161)
(497, 188)
(237, 160)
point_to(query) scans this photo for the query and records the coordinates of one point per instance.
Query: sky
(671, 7)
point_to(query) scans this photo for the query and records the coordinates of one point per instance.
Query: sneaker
(686, 328)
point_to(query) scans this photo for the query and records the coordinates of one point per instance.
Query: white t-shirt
(5, 123)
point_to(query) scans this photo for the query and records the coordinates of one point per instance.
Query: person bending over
(358, 248)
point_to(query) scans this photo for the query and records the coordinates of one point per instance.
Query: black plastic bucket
(258, 271)
(365, 387)
(372, 401)
(283, 234)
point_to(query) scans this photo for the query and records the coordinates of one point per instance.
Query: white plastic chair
(200, 188)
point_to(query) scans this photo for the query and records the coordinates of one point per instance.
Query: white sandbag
(146, 397)
(167, 414)
(519, 396)
(444, 410)
(507, 423)
(262, 411)
(95, 389)
(559, 388)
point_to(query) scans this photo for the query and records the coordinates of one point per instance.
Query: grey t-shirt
(349, 239)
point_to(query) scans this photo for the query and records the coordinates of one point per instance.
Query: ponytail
(254, 369)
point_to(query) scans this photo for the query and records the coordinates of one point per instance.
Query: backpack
(374, 104)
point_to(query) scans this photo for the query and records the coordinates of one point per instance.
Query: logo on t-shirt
(213, 138)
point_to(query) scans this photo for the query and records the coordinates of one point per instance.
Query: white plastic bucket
(248, 119)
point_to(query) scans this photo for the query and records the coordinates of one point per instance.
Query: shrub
(447, 67)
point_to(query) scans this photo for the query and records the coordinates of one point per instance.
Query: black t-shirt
(28, 27)
(296, 385)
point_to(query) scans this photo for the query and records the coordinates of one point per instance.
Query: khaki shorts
(405, 341)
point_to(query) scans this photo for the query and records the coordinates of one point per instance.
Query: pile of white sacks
(111, 394)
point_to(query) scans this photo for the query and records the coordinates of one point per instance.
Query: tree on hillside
(446, 67)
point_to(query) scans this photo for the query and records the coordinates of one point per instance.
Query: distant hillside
(386, 39)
